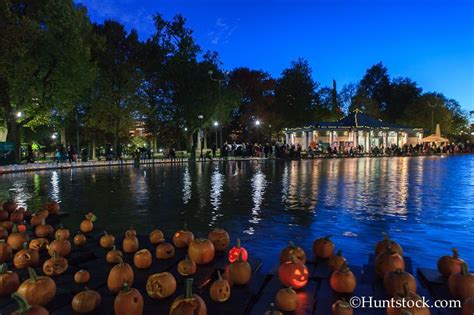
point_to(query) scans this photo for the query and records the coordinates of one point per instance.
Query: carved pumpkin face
(161, 285)
(186, 267)
(26, 258)
(220, 289)
(293, 274)
(237, 251)
(38, 243)
(165, 251)
(55, 266)
(220, 238)
(60, 246)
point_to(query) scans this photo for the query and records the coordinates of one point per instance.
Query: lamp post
(216, 124)
(200, 135)
(257, 124)
(219, 81)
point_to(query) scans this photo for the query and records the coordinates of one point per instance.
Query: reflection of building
(353, 130)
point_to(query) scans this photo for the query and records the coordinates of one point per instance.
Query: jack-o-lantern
(60, 246)
(220, 289)
(6, 251)
(80, 239)
(62, 232)
(129, 301)
(342, 307)
(55, 266)
(107, 240)
(388, 261)
(17, 216)
(394, 282)
(82, 276)
(292, 249)
(461, 285)
(186, 267)
(118, 275)
(17, 238)
(87, 225)
(189, 303)
(156, 237)
(405, 299)
(164, 251)
(142, 259)
(323, 247)
(37, 290)
(22, 228)
(343, 280)
(240, 271)
(201, 251)
(26, 258)
(113, 255)
(86, 301)
(38, 244)
(337, 261)
(182, 238)
(24, 308)
(9, 281)
(293, 273)
(43, 230)
(382, 246)
(448, 265)
(237, 251)
(130, 243)
(286, 299)
(160, 285)
(220, 238)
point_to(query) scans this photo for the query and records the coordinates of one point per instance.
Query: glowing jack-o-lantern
(293, 273)
(236, 251)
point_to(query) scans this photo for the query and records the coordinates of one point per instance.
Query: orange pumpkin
(38, 244)
(182, 238)
(468, 307)
(130, 244)
(337, 261)
(142, 259)
(292, 249)
(36, 220)
(113, 255)
(461, 285)
(86, 301)
(189, 303)
(87, 225)
(82, 276)
(341, 307)
(52, 207)
(160, 285)
(386, 243)
(273, 310)
(118, 275)
(343, 280)
(55, 266)
(60, 246)
(448, 265)
(407, 298)
(240, 271)
(164, 251)
(16, 238)
(220, 289)
(220, 238)
(293, 273)
(201, 251)
(62, 232)
(107, 240)
(26, 258)
(186, 267)
(4, 215)
(128, 301)
(10, 206)
(6, 252)
(156, 237)
(17, 216)
(3, 233)
(37, 290)
(394, 282)
(25, 308)
(388, 261)
(237, 251)
(323, 247)
(43, 230)
(286, 300)
(79, 239)
(9, 281)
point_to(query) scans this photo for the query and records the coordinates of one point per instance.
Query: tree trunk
(63, 136)
(205, 139)
(116, 135)
(93, 149)
(10, 117)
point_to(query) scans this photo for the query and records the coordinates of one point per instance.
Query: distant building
(356, 129)
(138, 129)
(471, 122)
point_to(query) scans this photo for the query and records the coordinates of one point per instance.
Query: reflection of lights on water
(20, 193)
(284, 184)
(37, 183)
(259, 184)
(54, 195)
(186, 185)
(217, 184)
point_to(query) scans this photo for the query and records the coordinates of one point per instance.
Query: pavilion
(355, 129)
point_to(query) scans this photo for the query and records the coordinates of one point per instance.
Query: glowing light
(257, 122)
(216, 124)
(19, 114)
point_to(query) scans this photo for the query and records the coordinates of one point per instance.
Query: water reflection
(187, 191)
(217, 184)
(55, 193)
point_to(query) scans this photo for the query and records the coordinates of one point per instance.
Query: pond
(425, 203)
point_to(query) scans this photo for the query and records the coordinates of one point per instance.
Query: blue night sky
(431, 42)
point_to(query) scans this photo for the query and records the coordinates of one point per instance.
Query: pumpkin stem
(398, 271)
(32, 273)
(344, 267)
(105, 233)
(125, 287)
(43, 222)
(455, 253)
(185, 226)
(114, 247)
(119, 258)
(188, 288)
(385, 236)
(55, 255)
(291, 244)
(3, 268)
(25, 245)
(22, 303)
(58, 237)
(406, 290)
(464, 269)
(15, 228)
(219, 275)
(238, 243)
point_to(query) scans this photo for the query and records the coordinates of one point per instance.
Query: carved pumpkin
(80, 239)
(16, 238)
(128, 301)
(25, 308)
(52, 207)
(82, 276)
(382, 246)
(37, 290)
(160, 285)
(323, 247)
(220, 238)
(62, 232)
(237, 251)
(130, 244)
(87, 225)
(3, 233)
(55, 266)
(60, 246)
(337, 261)
(21, 228)
(156, 237)
(142, 259)
(394, 282)
(26, 258)
(286, 299)
(240, 271)
(461, 285)
(113, 256)
(292, 249)
(388, 261)
(43, 230)
(343, 280)
(38, 244)
(86, 301)
(107, 240)
(17, 216)
(186, 267)
(201, 251)
(189, 303)
(4, 215)
(407, 298)
(164, 251)
(468, 306)
(6, 251)
(9, 281)
(341, 307)
(118, 275)
(36, 220)
(220, 289)
(182, 238)
(10, 206)
(293, 273)
(448, 265)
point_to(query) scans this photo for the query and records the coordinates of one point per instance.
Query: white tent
(436, 138)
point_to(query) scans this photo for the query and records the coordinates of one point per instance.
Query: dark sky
(430, 41)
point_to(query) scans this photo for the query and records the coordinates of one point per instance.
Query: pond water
(425, 203)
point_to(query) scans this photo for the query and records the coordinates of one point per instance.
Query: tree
(346, 95)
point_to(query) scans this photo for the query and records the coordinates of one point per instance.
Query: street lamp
(257, 124)
(201, 135)
(19, 114)
(216, 124)
(219, 81)
(54, 136)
